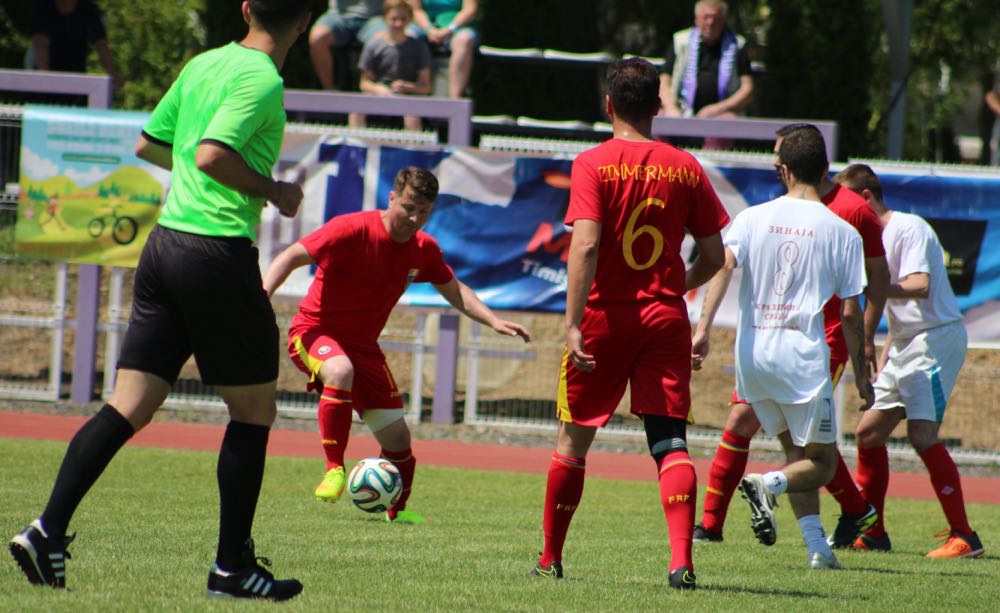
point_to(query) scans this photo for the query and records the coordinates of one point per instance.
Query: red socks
(873, 479)
(679, 494)
(563, 492)
(948, 486)
(336, 411)
(407, 465)
(843, 490)
(727, 469)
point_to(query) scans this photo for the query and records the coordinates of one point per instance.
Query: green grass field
(147, 536)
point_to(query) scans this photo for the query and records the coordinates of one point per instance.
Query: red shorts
(836, 370)
(373, 387)
(646, 346)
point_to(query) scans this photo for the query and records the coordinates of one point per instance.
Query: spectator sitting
(707, 68)
(394, 63)
(344, 23)
(448, 25)
(62, 32)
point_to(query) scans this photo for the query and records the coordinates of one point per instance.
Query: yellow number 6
(631, 233)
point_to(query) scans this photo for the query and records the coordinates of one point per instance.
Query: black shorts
(201, 295)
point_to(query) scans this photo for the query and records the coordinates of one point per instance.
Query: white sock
(813, 535)
(776, 482)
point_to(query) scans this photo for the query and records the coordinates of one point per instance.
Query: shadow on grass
(739, 589)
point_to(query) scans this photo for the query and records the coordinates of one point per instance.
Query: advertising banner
(85, 197)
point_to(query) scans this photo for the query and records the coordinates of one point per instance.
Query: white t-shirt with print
(912, 246)
(795, 255)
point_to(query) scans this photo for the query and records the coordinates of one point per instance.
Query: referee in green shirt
(198, 292)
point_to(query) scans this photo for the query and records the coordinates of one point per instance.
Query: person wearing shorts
(345, 23)
(198, 291)
(364, 262)
(917, 370)
(631, 201)
(449, 26)
(795, 254)
(741, 425)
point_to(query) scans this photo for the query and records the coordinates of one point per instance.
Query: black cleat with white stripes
(42, 559)
(253, 581)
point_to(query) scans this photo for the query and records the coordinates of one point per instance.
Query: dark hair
(278, 14)
(634, 89)
(421, 182)
(795, 127)
(859, 177)
(804, 153)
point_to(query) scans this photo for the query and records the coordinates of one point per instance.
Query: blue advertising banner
(498, 219)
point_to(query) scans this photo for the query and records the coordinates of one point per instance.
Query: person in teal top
(449, 25)
(198, 291)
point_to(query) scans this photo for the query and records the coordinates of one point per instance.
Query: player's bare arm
(854, 334)
(154, 153)
(463, 298)
(915, 285)
(711, 257)
(714, 294)
(875, 294)
(229, 168)
(581, 267)
(295, 256)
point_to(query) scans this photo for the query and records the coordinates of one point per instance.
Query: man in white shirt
(917, 370)
(795, 254)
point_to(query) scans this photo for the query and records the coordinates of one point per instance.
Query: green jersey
(231, 96)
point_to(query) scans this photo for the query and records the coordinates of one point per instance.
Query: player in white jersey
(795, 254)
(917, 371)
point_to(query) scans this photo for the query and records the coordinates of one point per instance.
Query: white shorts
(921, 372)
(807, 422)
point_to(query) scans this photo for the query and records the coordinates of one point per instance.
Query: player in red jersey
(730, 459)
(631, 200)
(364, 262)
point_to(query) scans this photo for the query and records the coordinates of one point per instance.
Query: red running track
(626, 466)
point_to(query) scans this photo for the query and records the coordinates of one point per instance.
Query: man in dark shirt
(707, 68)
(62, 32)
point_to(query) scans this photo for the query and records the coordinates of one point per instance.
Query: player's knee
(742, 420)
(868, 436)
(337, 372)
(664, 435)
(922, 434)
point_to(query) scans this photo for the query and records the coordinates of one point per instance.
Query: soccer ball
(374, 485)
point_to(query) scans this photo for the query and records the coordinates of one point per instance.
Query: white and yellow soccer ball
(374, 485)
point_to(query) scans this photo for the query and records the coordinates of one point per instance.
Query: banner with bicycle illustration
(85, 197)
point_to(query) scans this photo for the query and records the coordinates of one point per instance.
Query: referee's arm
(156, 152)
